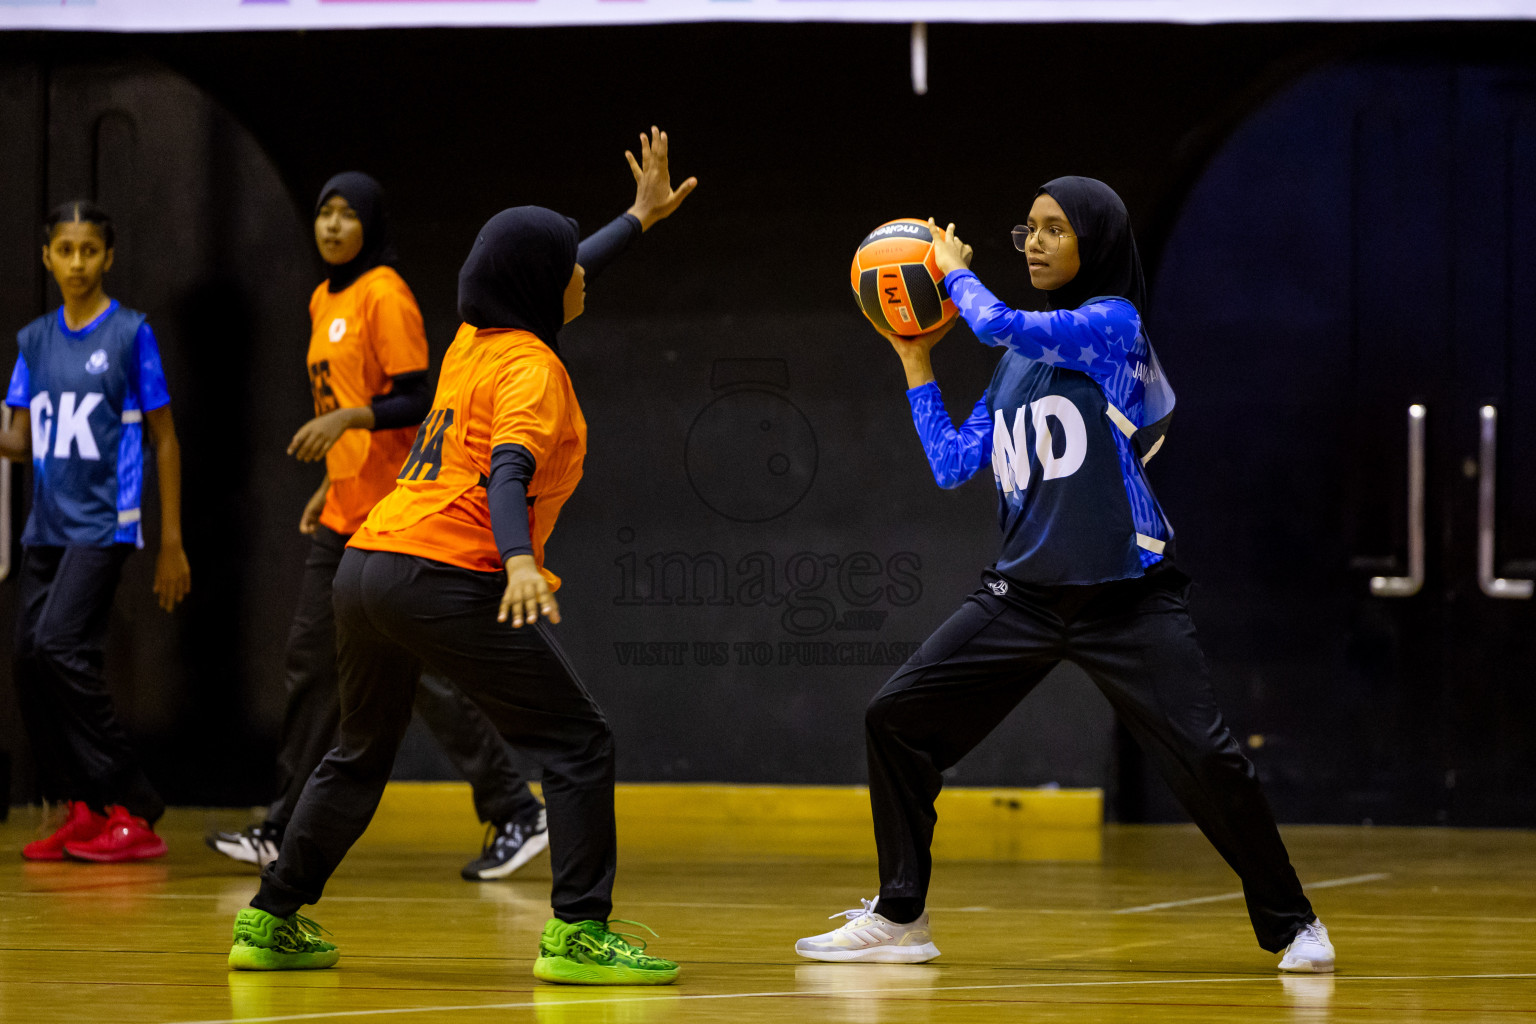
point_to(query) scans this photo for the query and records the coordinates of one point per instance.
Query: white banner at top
(244, 15)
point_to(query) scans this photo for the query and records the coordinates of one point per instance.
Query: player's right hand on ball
(527, 594)
(907, 344)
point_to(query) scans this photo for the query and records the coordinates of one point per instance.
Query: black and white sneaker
(257, 844)
(508, 846)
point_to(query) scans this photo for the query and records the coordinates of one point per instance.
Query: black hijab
(366, 196)
(1110, 263)
(516, 273)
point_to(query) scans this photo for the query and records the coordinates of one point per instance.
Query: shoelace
(299, 932)
(611, 937)
(866, 910)
(1312, 933)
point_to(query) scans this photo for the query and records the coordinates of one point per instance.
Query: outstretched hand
(949, 252)
(655, 198)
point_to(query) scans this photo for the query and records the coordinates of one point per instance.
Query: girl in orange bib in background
(367, 363)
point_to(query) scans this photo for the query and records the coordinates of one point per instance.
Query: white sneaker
(871, 939)
(256, 844)
(1310, 952)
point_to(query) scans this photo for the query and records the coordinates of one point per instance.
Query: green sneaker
(587, 953)
(267, 943)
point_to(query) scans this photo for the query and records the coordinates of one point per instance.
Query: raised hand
(655, 198)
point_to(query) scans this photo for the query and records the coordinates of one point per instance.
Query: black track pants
(396, 614)
(82, 753)
(313, 708)
(1135, 640)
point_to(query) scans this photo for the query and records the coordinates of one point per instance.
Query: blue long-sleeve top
(1076, 407)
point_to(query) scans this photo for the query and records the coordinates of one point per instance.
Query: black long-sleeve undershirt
(601, 247)
(405, 404)
(506, 493)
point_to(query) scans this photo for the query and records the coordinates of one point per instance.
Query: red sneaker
(82, 824)
(123, 838)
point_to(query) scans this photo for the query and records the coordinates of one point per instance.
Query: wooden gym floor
(1430, 925)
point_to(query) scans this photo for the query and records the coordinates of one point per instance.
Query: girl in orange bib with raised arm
(448, 574)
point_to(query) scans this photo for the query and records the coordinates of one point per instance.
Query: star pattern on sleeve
(1098, 339)
(954, 455)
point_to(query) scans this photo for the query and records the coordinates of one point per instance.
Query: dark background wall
(755, 501)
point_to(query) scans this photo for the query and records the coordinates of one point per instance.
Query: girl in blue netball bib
(87, 381)
(1076, 408)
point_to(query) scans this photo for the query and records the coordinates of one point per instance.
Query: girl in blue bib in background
(87, 381)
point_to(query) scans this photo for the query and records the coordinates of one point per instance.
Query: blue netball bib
(1077, 406)
(86, 392)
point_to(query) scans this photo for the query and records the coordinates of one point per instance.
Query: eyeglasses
(1050, 237)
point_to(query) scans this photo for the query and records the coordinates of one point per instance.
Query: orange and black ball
(896, 279)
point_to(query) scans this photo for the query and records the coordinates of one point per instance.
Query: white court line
(1268, 979)
(1332, 883)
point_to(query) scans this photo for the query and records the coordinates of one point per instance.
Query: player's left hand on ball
(655, 198)
(316, 437)
(173, 575)
(949, 252)
(527, 595)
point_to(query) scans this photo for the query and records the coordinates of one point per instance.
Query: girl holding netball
(367, 369)
(87, 380)
(448, 573)
(1078, 404)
